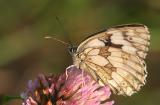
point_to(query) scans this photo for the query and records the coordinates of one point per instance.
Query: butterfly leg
(66, 74)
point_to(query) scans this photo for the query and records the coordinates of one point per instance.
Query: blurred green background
(24, 52)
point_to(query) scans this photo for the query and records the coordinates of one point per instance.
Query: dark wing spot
(108, 42)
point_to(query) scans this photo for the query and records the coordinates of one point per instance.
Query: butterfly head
(72, 49)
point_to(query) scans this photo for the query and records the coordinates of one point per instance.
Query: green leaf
(4, 99)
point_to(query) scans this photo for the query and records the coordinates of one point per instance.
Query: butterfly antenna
(58, 40)
(64, 32)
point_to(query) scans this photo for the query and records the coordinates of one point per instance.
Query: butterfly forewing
(116, 57)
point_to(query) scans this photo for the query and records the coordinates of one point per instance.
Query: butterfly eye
(72, 49)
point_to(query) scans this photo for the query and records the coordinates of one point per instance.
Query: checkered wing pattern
(116, 57)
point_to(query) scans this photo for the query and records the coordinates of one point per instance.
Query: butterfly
(115, 57)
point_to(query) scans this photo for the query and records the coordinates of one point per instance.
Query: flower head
(74, 87)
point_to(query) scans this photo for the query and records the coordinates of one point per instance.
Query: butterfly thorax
(76, 60)
(73, 52)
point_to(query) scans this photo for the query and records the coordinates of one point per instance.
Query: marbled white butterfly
(116, 57)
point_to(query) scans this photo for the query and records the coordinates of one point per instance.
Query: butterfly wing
(116, 57)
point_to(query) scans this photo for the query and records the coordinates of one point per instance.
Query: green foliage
(5, 99)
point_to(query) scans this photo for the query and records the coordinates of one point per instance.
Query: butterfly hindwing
(116, 57)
